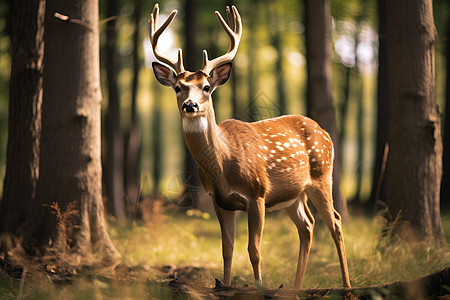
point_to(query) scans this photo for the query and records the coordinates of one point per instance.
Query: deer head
(194, 89)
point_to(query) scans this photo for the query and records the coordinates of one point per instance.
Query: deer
(272, 164)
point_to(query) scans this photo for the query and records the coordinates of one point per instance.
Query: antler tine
(154, 33)
(234, 31)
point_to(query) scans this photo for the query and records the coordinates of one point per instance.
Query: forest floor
(178, 255)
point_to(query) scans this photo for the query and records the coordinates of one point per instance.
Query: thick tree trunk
(68, 210)
(24, 124)
(320, 100)
(114, 140)
(414, 166)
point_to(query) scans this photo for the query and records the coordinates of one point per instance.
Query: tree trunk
(133, 138)
(414, 166)
(320, 101)
(445, 185)
(24, 124)
(378, 187)
(157, 140)
(114, 140)
(68, 210)
(234, 81)
(192, 62)
(251, 110)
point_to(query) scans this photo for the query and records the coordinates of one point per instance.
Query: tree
(114, 180)
(68, 211)
(25, 100)
(378, 191)
(445, 185)
(133, 136)
(414, 166)
(319, 100)
(192, 58)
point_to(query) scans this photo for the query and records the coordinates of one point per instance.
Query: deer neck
(206, 142)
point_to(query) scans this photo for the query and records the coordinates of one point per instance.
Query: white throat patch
(194, 124)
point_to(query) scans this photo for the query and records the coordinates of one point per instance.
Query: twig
(68, 19)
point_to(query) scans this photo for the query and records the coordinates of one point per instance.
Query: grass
(182, 240)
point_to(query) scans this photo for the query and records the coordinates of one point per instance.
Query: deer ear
(164, 74)
(220, 74)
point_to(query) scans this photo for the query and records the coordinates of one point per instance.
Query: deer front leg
(255, 213)
(227, 220)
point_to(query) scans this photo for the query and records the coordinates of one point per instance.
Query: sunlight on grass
(177, 239)
(183, 240)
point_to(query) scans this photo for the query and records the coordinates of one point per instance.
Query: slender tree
(320, 101)
(68, 210)
(414, 166)
(252, 69)
(234, 80)
(192, 56)
(133, 137)
(378, 191)
(25, 101)
(277, 43)
(157, 139)
(114, 140)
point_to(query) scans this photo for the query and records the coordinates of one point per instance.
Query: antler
(234, 31)
(154, 36)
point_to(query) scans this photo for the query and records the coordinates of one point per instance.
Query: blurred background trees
(144, 156)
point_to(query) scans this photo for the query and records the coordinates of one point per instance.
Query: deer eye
(206, 89)
(177, 89)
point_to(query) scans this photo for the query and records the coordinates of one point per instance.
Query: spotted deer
(272, 164)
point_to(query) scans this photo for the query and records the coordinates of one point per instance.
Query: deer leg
(255, 213)
(322, 198)
(227, 220)
(304, 221)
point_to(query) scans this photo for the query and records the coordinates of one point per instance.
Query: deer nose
(189, 106)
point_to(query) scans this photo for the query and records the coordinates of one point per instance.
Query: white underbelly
(281, 205)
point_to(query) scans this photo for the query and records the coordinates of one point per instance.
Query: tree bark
(414, 166)
(114, 181)
(320, 99)
(192, 187)
(445, 185)
(378, 188)
(68, 210)
(133, 137)
(24, 123)
(251, 110)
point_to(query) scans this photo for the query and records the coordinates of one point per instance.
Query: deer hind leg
(304, 221)
(227, 220)
(321, 196)
(255, 214)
